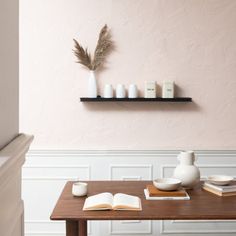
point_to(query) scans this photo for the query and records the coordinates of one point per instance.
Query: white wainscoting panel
(131, 172)
(46, 171)
(138, 227)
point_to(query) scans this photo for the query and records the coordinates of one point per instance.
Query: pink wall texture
(191, 42)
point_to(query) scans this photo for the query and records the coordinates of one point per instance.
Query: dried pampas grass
(104, 46)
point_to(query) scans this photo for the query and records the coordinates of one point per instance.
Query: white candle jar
(79, 189)
(108, 91)
(120, 91)
(150, 89)
(133, 91)
(168, 89)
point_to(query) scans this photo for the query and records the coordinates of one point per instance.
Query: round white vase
(186, 171)
(92, 85)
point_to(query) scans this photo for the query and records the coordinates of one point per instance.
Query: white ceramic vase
(92, 85)
(186, 171)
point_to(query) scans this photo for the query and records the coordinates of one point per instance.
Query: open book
(106, 201)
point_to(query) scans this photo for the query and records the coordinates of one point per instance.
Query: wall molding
(128, 232)
(163, 167)
(43, 233)
(82, 153)
(199, 230)
(134, 166)
(51, 223)
(43, 177)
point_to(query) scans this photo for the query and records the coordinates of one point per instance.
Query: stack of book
(152, 193)
(227, 190)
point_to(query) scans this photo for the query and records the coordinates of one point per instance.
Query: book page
(101, 201)
(126, 202)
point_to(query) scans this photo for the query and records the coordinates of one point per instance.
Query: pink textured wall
(191, 42)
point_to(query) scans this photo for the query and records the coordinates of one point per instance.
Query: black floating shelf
(141, 99)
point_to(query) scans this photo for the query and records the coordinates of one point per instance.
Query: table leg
(76, 228)
(82, 227)
(72, 228)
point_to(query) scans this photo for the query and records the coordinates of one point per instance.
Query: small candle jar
(133, 91)
(120, 91)
(150, 89)
(168, 89)
(108, 91)
(79, 189)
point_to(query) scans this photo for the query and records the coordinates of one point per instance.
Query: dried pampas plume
(104, 46)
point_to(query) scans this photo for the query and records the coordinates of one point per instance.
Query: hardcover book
(224, 189)
(148, 197)
(219, 193)
(154, 192)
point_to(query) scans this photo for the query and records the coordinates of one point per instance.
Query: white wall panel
(131, 172)
(131, 227)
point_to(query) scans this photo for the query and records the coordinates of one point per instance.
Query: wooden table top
(203, 205)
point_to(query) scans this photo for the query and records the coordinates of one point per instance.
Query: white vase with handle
(92, 85)
(186, 171)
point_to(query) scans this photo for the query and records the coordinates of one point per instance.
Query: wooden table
(202, 206)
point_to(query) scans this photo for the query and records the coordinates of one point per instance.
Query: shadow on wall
(142, 106)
